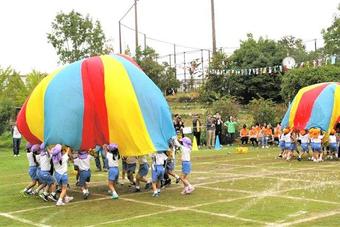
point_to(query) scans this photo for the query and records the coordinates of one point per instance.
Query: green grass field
(252, 189)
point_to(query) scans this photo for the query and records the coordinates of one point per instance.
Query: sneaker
(78, 184)
(60, 203)
(299, 159)
(155, 194)
(105, 170)
(262, 146)
(68, 199)
(86, 195)
(114, 196)
(177, 180)
(184, 191)
(44, 197)
(137, 190)
(53, 198)
(148, 186)
(190, 189)
(98, 170)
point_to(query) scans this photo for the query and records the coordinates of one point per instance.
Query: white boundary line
(314, 217)
(22, 220)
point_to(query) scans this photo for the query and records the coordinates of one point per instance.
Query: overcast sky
(24, 24)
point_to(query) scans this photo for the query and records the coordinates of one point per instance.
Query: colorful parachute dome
(98, 100)
(315, 106)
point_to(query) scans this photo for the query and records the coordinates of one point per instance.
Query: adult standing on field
(219, 124)
(196, 125)
(231, 130)
(16, 140)
(210, 131)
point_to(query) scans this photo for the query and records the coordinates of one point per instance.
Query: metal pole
(202, 66)
(175, 56)
(185, 74)
(209, 61)
(213, 27)
(120, 38)
(314, 44)
(170, 60)
(144, 41)
(136, 24)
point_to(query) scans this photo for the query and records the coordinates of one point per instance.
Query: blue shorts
(186, 167)
(282, 145)
(32, 171)
(157, 173)
(333, 147)
(124, 165)
(293, 146)
(143, 170)
(38, 174)
(113, 174)
(288, 145)
(131, 168)
(304, 147)
(317, 147)
(170, 165)
(46, 177)
(84, 176)
(62, 179)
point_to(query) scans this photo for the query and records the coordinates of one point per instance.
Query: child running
(158, 160)
(186, 165)
(112, 156)
(317, 147)
(60, 159)
(46, 177)
(142, 173)
(131, 162)
(33, 166)
(333, 146)
(84, 172)
(304, 138)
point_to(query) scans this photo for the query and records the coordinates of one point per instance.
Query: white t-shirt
(30, 159)
(112, 162)
(159, 158)
(16, 133)
(304, 138)
(332, 139)
(45, 162)
(131, 160)
(318, 140)
(185, 153)
(142, 160)
(62, 169)
(84, 164)
(287, 138)
(37, 157)
(282, 138)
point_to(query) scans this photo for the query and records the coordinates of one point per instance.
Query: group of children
(48, 169)
(260, 134)
(320, 143)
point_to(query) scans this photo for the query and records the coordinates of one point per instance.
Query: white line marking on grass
(22, 220)
(69, 204)
(134, 217)
(314, 217)
(230, 216)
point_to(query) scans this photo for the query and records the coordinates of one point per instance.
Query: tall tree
(75, 36)
(161, 74)
(33, 79)
(331, 36)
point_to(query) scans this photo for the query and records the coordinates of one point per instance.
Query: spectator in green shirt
(231, 130)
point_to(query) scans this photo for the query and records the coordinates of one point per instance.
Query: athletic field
(232, 189)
